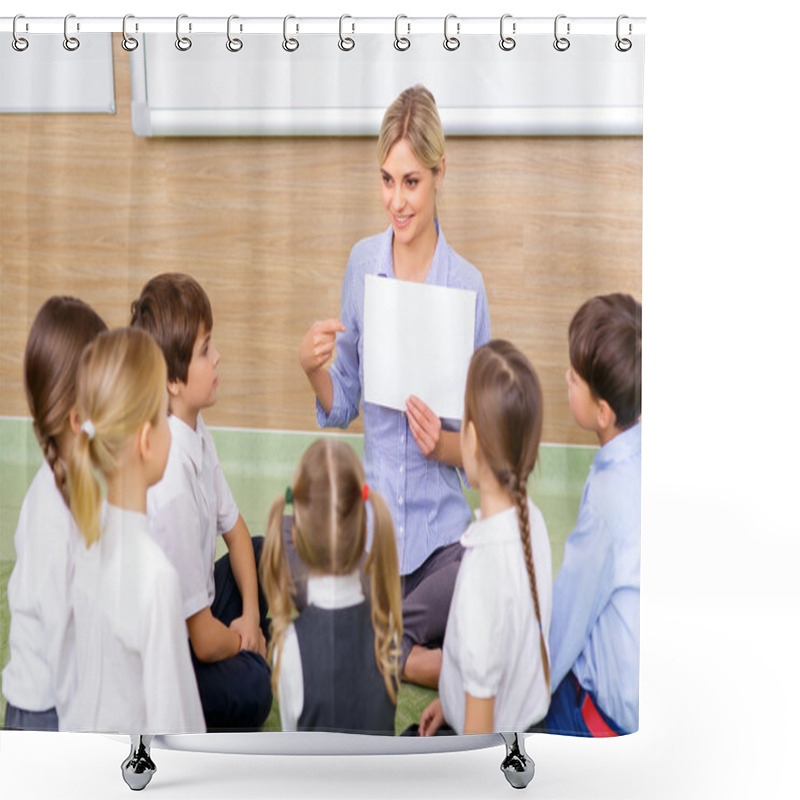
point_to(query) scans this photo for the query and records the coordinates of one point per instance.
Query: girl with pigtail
(495, 664)
(335, 668)
(131, 645)
(39, 673)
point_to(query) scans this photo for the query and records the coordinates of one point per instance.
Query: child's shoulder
(612, 496)
(147, 564)
(43, 503)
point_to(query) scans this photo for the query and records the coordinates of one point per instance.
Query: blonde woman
(411, 457)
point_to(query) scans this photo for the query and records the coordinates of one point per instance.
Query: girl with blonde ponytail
(132, 651)
(39, 672)
(335, 667)
(495, 663)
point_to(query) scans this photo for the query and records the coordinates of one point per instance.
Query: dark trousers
(17, 719)
(236, 692)
(573, 712)
(427, 594)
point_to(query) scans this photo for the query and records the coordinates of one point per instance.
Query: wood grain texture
(266, 225)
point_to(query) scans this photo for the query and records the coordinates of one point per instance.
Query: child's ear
(470, 441)
(606, 418)
(143, 440)
(173, 387)
(74, 422)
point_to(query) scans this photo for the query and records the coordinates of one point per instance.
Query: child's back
(128, 624)
(495, 666)
(40, 671)
(596, 593)
(39, 677)
(492, 643)
(335, 667)
(329, 677)
(132, 655)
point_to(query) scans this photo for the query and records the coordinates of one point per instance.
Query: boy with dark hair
(224, 608)
(594, 634)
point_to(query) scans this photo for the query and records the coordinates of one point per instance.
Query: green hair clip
(288, 496)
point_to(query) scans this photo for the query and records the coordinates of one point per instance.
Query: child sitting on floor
(495, 665)
(225, 613)
(594, 638)
(38, 678)
(335, 668)
(132, 658)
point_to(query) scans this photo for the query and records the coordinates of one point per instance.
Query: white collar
(335, 591)
(188, 440)
(117, 522)
(500, 527)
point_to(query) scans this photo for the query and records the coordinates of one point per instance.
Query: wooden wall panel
(266, 224)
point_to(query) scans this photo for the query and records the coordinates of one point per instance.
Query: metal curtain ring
(128, 42)
(183, 43)
(289, 44)
(561, 43)
(401, 42)
(346, 43)
(18, 42)
(451, 42)
(623, 45)
(233, 44)
(70, 42)
(507, 42)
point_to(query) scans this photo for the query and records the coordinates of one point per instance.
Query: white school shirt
(491, 643)
(131, 645)
(40, 670)
(188, 508)
(324, 591)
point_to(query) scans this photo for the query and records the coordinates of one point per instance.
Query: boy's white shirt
(324, 591)
(188, 508)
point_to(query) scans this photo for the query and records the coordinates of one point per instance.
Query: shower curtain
(243, 152)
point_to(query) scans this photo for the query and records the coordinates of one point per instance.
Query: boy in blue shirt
(594, 634)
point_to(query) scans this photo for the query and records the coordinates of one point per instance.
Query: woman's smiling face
(408, 192)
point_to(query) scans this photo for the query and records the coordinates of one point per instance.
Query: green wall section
(260, 464)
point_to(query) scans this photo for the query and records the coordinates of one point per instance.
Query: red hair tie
(365, 492)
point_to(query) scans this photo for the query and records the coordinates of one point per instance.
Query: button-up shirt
(188, 508)
(595, 627)
(424, 496)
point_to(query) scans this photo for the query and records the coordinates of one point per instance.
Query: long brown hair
(330, 531)
(503, 401)
(63, 326)
(122, 377)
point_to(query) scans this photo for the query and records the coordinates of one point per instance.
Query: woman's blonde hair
(121, 382)
(413, 116)
(63, 326)
(503, 400)
(330, 532)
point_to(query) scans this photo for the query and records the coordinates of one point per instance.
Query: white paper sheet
(418, 339)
